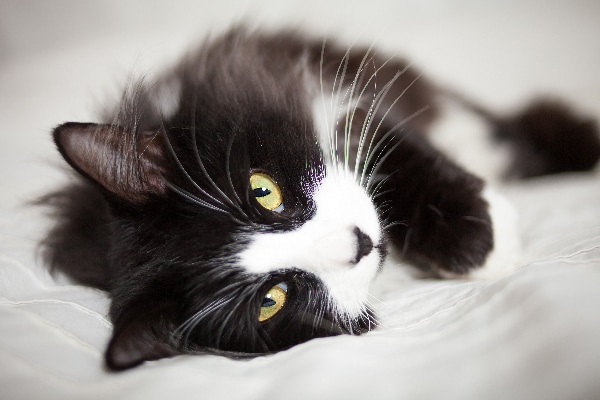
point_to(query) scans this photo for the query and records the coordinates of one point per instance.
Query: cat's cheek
(324, 252)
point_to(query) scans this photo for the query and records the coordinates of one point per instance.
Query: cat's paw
(503, 257)
(461, 238)
(450, 233)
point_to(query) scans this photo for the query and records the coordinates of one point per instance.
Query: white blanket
(534, 334)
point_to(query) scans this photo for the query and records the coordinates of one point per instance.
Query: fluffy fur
(164, 218)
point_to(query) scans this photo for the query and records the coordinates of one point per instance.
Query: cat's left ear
(143, 334)
(127, 164)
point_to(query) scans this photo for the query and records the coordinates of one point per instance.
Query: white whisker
(203, 168)
(384, 92)
(186, 328)
(370, 112)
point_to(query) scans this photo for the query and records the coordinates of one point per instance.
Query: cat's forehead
(267, 114)
(242, 75)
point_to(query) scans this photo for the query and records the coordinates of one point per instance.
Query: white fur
(466, 138)
(332, 113)
(505, 256)
(326, 244)
(166, 97)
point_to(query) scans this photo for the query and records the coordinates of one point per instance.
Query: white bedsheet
(532, 335)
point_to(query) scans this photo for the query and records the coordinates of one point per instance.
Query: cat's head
(235, 228)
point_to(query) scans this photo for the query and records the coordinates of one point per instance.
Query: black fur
(165, 207)
(548, 138)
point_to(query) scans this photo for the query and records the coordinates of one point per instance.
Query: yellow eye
(266, 191)
(273, 302)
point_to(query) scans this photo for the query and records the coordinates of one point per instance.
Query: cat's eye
(266, 191)
(273, 302)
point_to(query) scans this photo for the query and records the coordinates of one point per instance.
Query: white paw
(504, 258)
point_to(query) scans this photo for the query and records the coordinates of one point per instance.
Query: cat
(243, 202)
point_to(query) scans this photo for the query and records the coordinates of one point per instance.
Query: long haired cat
(243, 202)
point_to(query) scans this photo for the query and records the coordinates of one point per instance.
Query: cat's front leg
(440, 217)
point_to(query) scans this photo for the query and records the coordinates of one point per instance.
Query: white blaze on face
(327, 244)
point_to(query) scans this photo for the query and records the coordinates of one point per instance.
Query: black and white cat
(243, 203)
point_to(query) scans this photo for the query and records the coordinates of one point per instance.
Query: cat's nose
(364, 245)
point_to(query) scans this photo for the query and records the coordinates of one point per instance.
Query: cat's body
(244, 202)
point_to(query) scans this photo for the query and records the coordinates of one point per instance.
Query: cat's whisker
(380, 313)
(224, 321)
(383, 209)
(373, 109)
(346, 105)
(182, 168)
(383, 155)
(231, 186)
(384, 94)
(338, 81)
(336, 132)
(320, 322)
(382, 142)
(373, 302)
(478, 220)
(374, 186)
(325, 114)
(396, 223)
(347, 322)
(192, 198)
(367, 120)
(370, 112)
(377, 101)
(186, 328)
(391, 132)
(264, 341)
(224, 197)
(372, 322)
(221, 208)
(352, 103)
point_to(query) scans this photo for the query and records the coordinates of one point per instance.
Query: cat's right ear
(144, 334)
(126, 164)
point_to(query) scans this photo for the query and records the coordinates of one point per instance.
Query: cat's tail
(545, 137)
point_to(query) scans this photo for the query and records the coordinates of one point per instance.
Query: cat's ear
(125, 163)
(143, 336)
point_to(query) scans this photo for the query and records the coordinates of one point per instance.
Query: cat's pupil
(261, 192)
(268, 302)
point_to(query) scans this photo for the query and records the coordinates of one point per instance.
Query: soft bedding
(532, 334)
